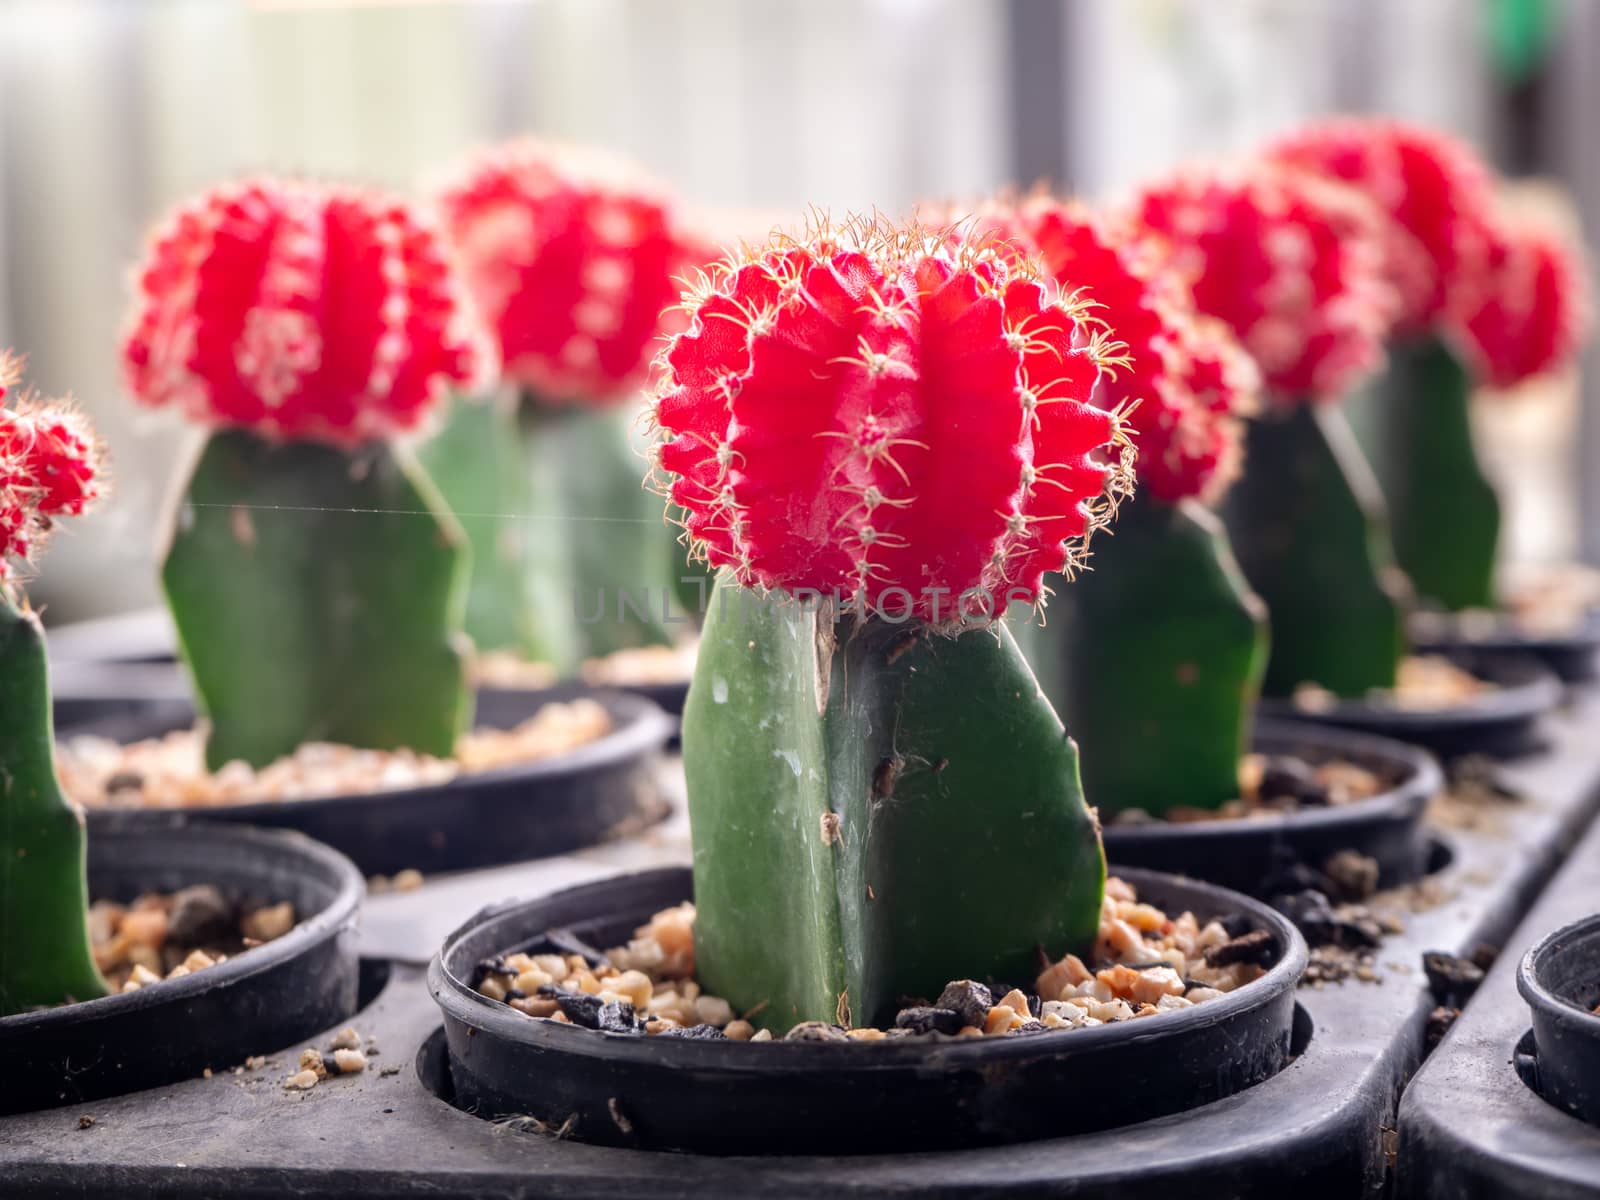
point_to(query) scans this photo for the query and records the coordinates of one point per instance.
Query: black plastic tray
(1471, 1123)
(528, 811)
(1246, 854)
(1313, 1130)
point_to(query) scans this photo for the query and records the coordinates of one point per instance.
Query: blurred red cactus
(49, 468)
(301, 312)
(1291, 263)
(892, 415)
(575, 262)
(1186, 377)
(1432, 190)
(1528, 309)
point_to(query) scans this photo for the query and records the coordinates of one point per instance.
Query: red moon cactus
(49, 468)
(1432, 190)
(574, 261)
(300, 312)
(1186, 378)
(1527, 312)
(1291, 263)
(881, 413)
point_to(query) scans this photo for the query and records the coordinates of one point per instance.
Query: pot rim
(1544, 1001)
(1424, 778)
(1525, 689)
(341, 912)
(639, 726)
(459, 1000)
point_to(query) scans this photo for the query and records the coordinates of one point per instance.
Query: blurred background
(111, 110)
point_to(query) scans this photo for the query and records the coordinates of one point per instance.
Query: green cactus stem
(318, 596)
(1154, 658)
(1444, 510)
(44, 937)
(876, 810)
(623, 554)
(520, 598)
(1308, 526)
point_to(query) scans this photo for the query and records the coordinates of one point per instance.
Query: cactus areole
(880, 436)
(49, 462)
(316, 583)
(1157, 680)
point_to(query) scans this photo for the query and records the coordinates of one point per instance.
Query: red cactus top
(575, 261)
(889, 415)
(1186, 377)
(1290, 263)
(1432, 190)
(301, 312)
(49, 468)
(1527, 310)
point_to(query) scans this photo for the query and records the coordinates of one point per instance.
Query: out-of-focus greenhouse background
(111, 110)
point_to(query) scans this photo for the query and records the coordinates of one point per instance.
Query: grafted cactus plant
(1291, 264)
(1155, 656)
(49, 468)
(576, 262)
(880, 436)
(1485, 300)
(316, 580)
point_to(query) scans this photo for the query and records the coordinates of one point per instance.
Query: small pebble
(346, 1039)
(969, 1000)
(349, 1062)
(302, 1081)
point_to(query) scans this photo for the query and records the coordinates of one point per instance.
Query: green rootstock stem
(44, 936)
(1308, 526)
(1445, 512)
(318, 596)
(622, 553)
(875, 811)
(1155, 658)
(522, 584)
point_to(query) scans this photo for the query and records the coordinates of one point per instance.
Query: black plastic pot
(722, 1097)
(1560, 980)
(509, 814)
(1501, 722)
(1249, 853)
(1573, 657)
(256, 1002)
